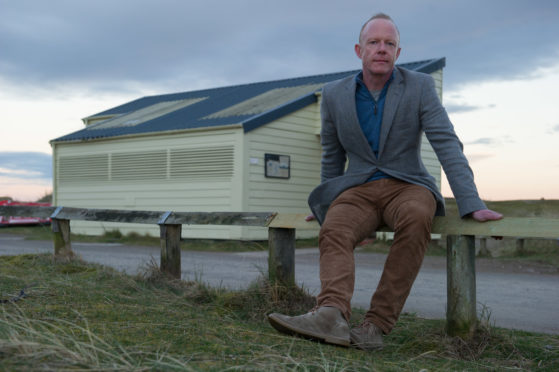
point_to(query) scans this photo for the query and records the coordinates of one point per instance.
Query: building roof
(248, 105)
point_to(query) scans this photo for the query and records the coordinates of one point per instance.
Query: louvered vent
(131, 166)
(175, 164)
(89, 168)
(201, 163)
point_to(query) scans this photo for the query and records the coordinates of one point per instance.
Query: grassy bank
(79, 316)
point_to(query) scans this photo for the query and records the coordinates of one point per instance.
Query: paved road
(517, 299)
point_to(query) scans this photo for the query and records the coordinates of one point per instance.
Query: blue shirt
(369, 112)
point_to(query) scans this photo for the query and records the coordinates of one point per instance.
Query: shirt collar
(359, 79)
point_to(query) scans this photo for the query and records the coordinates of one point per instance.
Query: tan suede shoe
(366, 337)
(325, 324)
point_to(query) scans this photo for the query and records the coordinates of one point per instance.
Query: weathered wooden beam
(520, 247)
(483, 251)
(461, 317)
(281, 256)
(26, 211)
(522, 227)
(527, 227)
(293, 221)
(146, 217)
(221, 218)
(170, 239)
(61, 238)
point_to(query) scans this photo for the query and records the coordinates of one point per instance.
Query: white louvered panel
(139, 166)
(76, 169)
(200, 163)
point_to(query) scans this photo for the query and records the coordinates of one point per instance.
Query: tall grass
(59, 344)
(79, 316)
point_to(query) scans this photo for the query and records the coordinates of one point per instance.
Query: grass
(79, 316)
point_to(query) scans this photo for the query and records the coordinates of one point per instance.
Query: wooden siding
(438, 77)
(164, 172)
(293, 135)
(296, 135)
(427, 153)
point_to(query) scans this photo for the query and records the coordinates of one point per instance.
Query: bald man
(374, 122)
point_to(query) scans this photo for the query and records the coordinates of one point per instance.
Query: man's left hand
(486, 215)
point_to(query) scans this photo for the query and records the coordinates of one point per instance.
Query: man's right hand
(310, 217)
(483, 215)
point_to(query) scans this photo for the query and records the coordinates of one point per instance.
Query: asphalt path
(517, 296)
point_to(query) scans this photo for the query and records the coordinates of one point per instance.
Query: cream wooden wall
(239, 186)
(293, 135)
(161, 191)
(427, 153)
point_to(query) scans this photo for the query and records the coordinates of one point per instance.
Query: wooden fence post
(520, 247)
(61, 238)
(170, 249)
(281, 256)
(461, 317)
(483, 251)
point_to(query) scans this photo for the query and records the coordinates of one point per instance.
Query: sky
(61, 61)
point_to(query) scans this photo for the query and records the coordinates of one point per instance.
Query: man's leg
(350, 219)
(409, 211)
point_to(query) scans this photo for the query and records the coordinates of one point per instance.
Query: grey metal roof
(249, 105)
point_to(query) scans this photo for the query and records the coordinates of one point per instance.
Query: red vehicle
(10, 221)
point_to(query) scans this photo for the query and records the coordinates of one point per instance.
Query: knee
(415, 214)
(336, 238)
(418, 209)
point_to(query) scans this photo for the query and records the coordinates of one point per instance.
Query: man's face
(378, 47)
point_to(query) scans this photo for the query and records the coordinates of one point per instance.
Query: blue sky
(61, 61)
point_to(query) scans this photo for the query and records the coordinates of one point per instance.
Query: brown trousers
(355, 214)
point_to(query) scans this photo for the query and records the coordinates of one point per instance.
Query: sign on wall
(277, 166)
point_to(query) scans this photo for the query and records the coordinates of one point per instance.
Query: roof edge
(147, 134)
(432, 65)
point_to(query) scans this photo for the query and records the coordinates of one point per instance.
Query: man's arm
(449, 150)
(448, 147)
(333, 158)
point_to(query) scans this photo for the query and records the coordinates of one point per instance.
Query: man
(375, 120)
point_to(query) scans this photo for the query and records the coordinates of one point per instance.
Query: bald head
(379, 16)
(378, 49)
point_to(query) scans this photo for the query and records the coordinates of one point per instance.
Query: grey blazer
(411, 108)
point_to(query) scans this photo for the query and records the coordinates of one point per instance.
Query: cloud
(456, 108)
(173, 45)
(488, 141)
(473, 158)
(26, 165)
(554, 129)
(483, 141)
(460, 108)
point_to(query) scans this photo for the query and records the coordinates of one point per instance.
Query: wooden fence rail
(461, 316)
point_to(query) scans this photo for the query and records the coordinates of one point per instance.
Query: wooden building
(251, 148)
